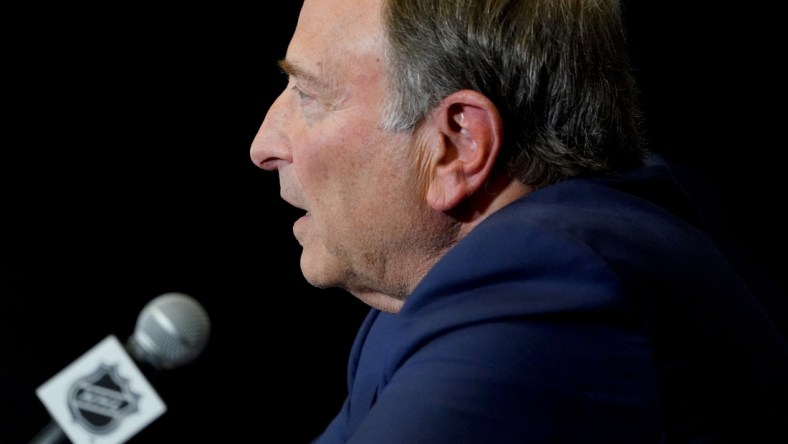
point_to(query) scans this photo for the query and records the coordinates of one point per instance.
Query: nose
(271, 145)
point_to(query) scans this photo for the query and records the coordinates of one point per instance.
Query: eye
(303, 96)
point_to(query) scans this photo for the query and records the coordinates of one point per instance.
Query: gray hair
(558, 71)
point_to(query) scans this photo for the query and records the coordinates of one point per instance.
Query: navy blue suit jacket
(590, 311)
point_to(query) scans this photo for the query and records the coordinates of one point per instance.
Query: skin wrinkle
(390, 135)
(382, 205)
(329, 93)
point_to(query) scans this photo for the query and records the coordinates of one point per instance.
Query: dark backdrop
(126, 174)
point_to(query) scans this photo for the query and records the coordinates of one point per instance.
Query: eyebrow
(292, 69)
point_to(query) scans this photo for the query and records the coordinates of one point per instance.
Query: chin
(317, 273)
(381, 302)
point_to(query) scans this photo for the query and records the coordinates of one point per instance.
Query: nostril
(271, 164)
(269, 151)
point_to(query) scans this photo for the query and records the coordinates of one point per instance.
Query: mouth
(293, 203)
(304, 212)
(302, 216)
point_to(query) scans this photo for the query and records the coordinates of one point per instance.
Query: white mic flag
(102, 397)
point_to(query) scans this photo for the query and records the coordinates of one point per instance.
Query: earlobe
(469, 129)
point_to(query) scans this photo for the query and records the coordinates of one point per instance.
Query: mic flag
(102, 397)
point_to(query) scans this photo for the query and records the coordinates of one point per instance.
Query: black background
(126, 174)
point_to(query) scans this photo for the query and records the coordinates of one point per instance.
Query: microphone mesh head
(172, 330)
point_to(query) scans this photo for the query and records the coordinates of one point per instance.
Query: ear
(468, 132)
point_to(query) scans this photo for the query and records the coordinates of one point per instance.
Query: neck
(498, 192)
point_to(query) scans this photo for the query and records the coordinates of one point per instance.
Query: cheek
(338, 150)
(318, 159)
(349, 171)
(323, 165)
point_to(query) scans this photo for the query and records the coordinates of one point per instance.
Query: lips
(294, 203)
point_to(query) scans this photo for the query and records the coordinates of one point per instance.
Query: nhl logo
(101, 400)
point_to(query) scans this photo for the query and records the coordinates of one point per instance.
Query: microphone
(171, 330)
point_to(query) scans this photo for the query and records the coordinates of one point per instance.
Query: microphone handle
(51, 434)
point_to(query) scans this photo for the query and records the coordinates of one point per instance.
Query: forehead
(340, 16)
(337, 36)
